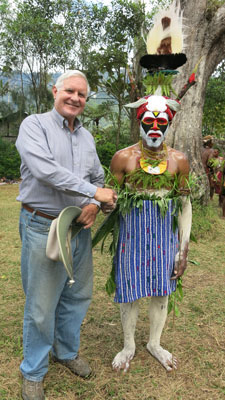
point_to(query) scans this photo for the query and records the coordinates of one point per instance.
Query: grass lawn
(196, 337)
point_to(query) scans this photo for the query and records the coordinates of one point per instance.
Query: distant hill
(15, 83)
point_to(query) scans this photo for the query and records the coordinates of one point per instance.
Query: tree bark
(205, 41)
(136, 91)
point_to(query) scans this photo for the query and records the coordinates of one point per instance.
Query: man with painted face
(154, 124)
(149, 259)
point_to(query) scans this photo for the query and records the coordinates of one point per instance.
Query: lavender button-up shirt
(58, 168)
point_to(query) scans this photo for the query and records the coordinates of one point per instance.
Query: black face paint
(150, 125)
(153, 127)
(146, 127)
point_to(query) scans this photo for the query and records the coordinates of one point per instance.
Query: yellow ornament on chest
(154, 163)
(154, 170)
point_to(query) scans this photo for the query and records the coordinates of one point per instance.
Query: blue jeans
(54, 311)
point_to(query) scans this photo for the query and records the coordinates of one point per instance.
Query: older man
(59, 168)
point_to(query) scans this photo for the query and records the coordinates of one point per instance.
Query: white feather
(173, 104)
(137, 103)
(158, 91)
(157, 34)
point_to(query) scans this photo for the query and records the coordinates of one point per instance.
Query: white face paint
(154, 127)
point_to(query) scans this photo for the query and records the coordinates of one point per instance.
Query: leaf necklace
(156, 163)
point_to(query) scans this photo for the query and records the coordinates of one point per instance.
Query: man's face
(70, 99)
(153, 128)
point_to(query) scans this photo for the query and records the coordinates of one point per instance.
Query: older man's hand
(88, 215)
(105, 195)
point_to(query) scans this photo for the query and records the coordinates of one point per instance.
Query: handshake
(107, 197)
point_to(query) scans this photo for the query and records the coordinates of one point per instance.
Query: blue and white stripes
(145, 256)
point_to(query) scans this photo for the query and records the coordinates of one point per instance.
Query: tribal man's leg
(158, 315)
(129, 315)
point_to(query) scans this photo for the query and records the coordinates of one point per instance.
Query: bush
(9, 160)
(105, 152)
(204, 219)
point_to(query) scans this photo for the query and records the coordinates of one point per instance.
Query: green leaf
(176, 310)
(175, 223)
(194, 262)
(193, 238)
(106, 227)
(180, 291)
(170, 305)
(110, 286)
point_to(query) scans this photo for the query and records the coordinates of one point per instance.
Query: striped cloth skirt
(145, 256)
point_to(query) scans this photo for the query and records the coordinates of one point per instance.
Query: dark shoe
(32, 390)
(78, 366)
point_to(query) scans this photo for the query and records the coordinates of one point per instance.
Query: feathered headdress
(165, 41)
(165, 45)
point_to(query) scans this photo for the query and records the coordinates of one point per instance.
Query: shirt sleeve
(36, 155)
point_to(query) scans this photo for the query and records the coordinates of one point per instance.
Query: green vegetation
(214, 107)
(42, 37)
(9, 160)
(204, 220)
(213, 5)
(39, 38)
(106, 152)
(151, 83)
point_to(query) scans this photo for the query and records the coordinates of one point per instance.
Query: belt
(41, 214)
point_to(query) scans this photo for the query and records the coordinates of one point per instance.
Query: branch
(215, 38)
(215, 55)
(216, 28)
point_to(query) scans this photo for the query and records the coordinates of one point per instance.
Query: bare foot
(122, 360)
(163, 356)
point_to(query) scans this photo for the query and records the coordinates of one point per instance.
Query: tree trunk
(136, 92)
(118, 124)
(205, 41)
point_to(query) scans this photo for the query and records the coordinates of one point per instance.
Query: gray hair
(68, 74)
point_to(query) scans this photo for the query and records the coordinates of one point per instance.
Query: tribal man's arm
(184, 228)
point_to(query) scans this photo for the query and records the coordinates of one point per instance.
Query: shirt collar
(63, 121)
